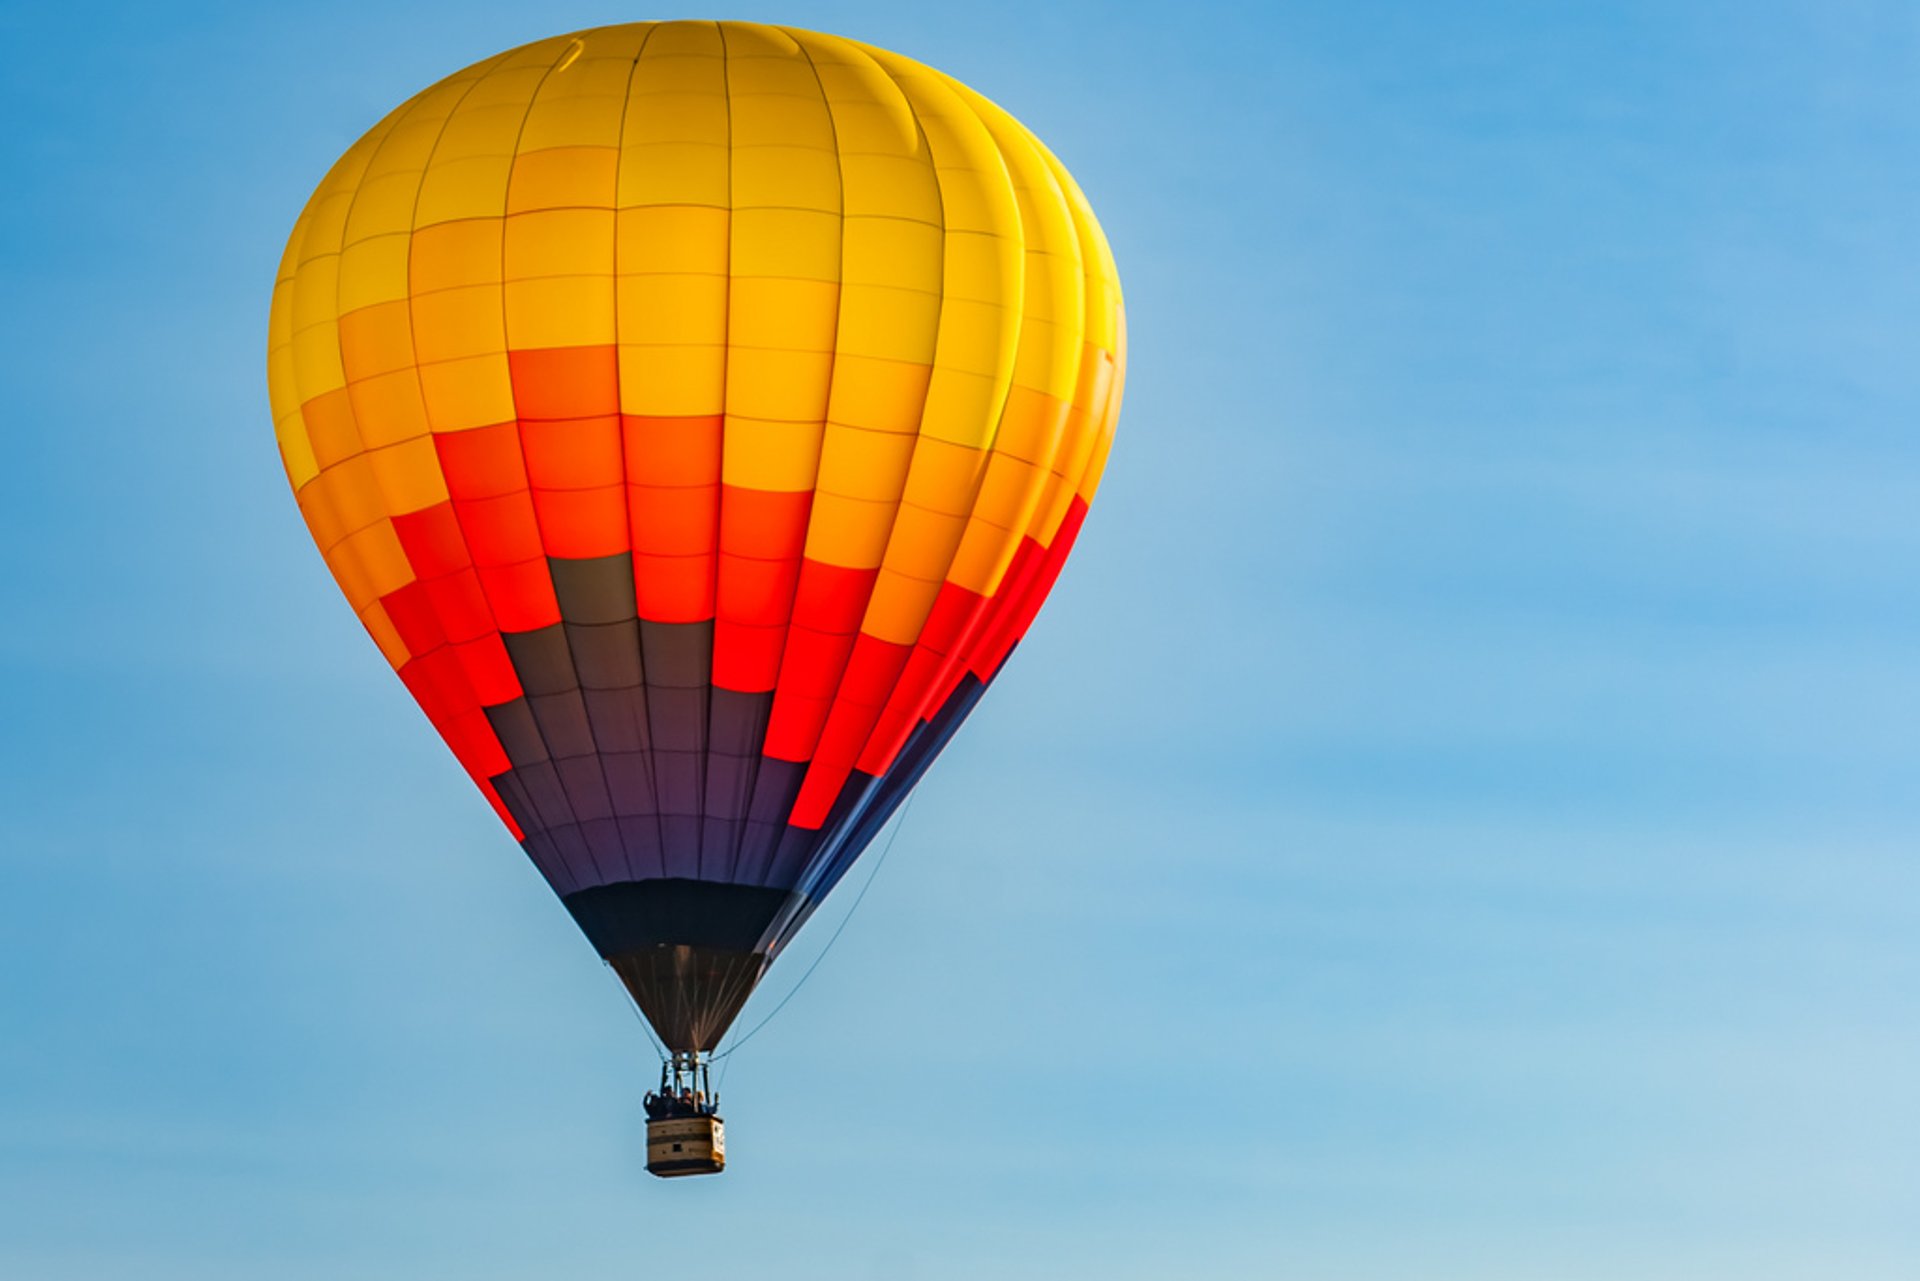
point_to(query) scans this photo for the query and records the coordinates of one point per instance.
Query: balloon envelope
(695, 414)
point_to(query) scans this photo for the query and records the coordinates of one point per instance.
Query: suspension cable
(872, 876)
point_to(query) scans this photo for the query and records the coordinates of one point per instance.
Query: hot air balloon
(695, 414)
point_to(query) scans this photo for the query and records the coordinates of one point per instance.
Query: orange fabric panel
(331, 427)
(572, 453)
(672, 451)
(565, 382)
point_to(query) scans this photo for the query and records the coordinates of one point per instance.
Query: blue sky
(1454, 820)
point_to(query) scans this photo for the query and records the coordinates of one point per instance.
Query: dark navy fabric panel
(541, 659)
(605, 656)
(596, 590)
(628, 915)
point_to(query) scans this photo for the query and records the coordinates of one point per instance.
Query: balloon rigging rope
(835, 938)
(659, 1047)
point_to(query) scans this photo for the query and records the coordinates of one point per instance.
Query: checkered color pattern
(696, 414)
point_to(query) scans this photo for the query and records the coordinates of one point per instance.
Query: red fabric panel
(413, 615)
(432, 540)
(521, 595)
(461, 605)
(746, 658)
(582, 523)
(500, 531)
(489, 670)
(673, 589)
(482, 463)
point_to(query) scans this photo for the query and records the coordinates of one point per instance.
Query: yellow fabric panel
(671, 238)
(471, 188)
(849, 532)
(790, 116)
(673, 310)
(666, 173)
(878, 394)
(382, 205)
(452, 323)
(785, 178)
(777, 456)
(888, 322)
(316, 359)
(296, 452)
(892, 253)
(467, 176)
(325, 225)
(389, 408)
(563, 178)
(474, 392)
(977, 268)
(408, 475)
(944, 477)
(803, 244)
(409, 145)
(374, 270)
(1103, 280)
(559, 242)
(790, 386)
(1054, 300)
(892, 185)
(376, 340)
(618, 44)
(884, 323)
(871, 465)
(672, 382)
(282, 396)
(683, 38)
(796, 315)
(560, 311)
(962, 408)
(974, 340)
(976, 197)
(322, 223)
(884, 282)
(452, 254)
(745, 41)
(579, 104)
(696, 115)
(870, 114)
(316, 290)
